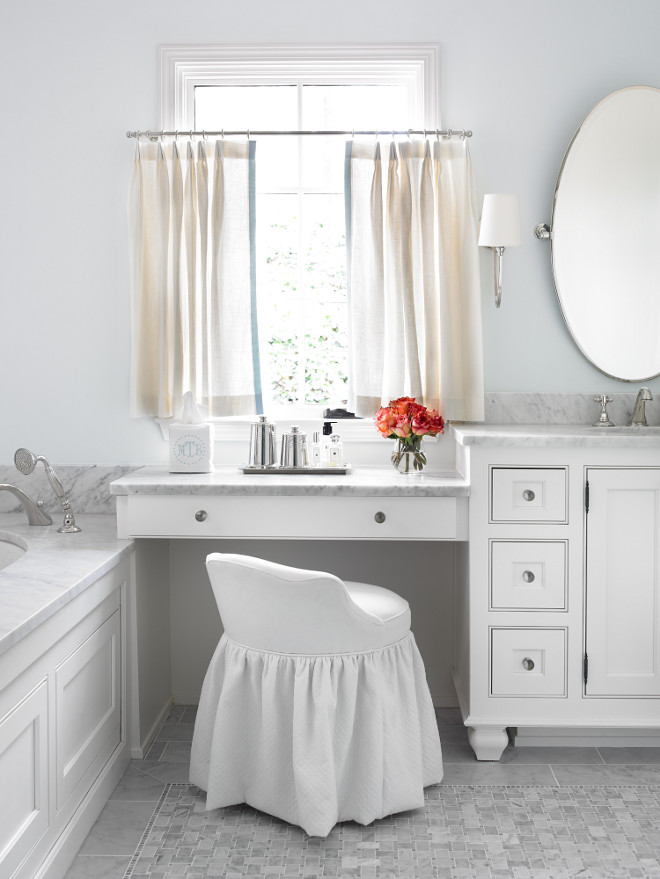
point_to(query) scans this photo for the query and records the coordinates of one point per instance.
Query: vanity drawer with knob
(526, 494)
(528, 662)
(319, 517)
(528, 574)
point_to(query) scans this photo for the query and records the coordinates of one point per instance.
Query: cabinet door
(23, 778)
(623, 582)
(87, 707)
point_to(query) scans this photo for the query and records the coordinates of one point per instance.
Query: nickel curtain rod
(427, 132)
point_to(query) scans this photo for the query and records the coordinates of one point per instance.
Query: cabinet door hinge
(586, 496)
(586, 668)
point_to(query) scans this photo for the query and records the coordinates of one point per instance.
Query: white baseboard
(185, 699)
(69, 841)
(566, 737)
(139, 752)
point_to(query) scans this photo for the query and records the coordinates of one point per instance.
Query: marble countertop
(54, 570)
(358, 482)
(555, 435)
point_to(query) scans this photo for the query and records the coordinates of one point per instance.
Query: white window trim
(183, 67)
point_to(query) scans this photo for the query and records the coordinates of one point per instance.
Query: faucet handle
(603, 419)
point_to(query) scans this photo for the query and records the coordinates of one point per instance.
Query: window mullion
(301, 298)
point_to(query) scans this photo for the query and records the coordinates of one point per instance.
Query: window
(301, 254)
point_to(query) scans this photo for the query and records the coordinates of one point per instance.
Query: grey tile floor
(112, 842)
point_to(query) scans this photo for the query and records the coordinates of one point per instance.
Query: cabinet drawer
(525, 494)
(528, 574)
(426, 518)
(528, 662)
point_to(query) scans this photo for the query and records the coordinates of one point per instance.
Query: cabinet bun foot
(488, 742)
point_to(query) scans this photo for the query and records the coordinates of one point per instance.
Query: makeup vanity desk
(364, 504)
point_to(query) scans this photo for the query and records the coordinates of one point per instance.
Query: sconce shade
(500, 221)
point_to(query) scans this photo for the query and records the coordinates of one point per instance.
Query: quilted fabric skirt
(315, 740)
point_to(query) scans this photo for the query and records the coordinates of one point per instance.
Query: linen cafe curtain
(194, 325)
(414, 294)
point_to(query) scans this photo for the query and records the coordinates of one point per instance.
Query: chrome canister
(262, 443)
(294, 449)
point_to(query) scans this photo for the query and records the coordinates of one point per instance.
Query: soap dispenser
(335, 451)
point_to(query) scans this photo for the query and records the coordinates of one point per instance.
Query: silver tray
(303, 471)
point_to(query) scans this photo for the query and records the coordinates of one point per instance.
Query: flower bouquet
(407, 422)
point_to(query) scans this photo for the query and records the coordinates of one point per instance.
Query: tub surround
(86, 485)
(55, 569)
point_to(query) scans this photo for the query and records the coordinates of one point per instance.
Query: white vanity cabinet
(62, 741)
(558, 607)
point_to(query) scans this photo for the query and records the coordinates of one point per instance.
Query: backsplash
(86, 486)
(525, 408)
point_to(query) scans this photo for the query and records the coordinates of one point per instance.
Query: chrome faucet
(638, 418)
(36, 516)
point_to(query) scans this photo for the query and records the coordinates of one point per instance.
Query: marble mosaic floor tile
(464, 831)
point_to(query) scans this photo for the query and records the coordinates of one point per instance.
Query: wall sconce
(500, 228)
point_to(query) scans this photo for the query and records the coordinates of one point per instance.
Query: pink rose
(427, 422)
(402, 426)
(385, 420)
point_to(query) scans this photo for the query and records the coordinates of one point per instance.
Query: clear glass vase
(408, 457)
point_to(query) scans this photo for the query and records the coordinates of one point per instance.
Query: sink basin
(12, 548)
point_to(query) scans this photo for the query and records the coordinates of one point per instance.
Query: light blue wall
(74, 76)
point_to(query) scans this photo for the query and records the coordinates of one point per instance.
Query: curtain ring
(437, 135)
(447, 135)
(410, 131)
(353, 134)
(424, 133)
(248, 133)
(176, 135)
(462, 134)
(204, 135)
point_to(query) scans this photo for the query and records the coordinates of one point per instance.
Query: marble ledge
(555, 436)
(358, 482)
(54, 569)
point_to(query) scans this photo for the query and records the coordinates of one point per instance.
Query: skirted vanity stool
(315, 707)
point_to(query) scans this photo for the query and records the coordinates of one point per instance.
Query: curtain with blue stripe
(413, 277)
(194, 318)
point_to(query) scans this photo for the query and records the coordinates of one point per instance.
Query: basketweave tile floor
(540, 813)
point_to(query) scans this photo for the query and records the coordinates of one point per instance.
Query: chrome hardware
(542, 231)
(528, 494)
(603, 419)
(380, 518)
(201, 515)
(25, 462)
(35, 515)
(528, 576)
(528, 664)
(638, 418)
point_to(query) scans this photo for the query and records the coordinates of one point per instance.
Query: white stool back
(273, 607)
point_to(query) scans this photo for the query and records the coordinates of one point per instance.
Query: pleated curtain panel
(413, 277)
(194, 320)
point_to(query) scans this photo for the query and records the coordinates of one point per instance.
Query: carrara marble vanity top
(358, 482)
(555, 435)
(54, 569)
